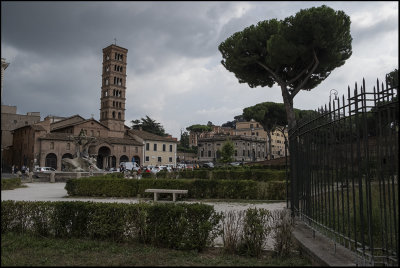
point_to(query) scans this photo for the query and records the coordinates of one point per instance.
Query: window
(98, 133)
(159, 159)
(209, 153)
(119, 115)
(202, 153)
(155, 147)
(170, 159)
(235, 152)
(170, 147)
(251, 125)
(248, 152)
(51, 145)
(164, 147)
(147, 159)
(244, 152)
(15, 121)
(147, 146)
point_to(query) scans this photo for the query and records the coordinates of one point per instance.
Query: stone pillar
(78, 175)
(52, 177)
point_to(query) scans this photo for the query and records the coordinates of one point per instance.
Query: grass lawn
(29, 250)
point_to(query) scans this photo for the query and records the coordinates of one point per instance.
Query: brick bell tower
(113, 89)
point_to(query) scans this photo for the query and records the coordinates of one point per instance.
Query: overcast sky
(174, 71)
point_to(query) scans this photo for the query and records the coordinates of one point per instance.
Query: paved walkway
(44, 191)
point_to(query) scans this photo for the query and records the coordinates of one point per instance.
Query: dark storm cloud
(174, 71)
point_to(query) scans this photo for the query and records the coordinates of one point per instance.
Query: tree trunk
(269, 145)
(288, 101)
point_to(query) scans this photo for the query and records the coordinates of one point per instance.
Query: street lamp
(335, 93)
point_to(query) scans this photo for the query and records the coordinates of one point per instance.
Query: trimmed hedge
(233, 174)
(197, 188)
(10, 183)
(177, 226)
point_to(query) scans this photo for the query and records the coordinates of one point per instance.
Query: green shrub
(197, 188)
(179, 226)
(255, 231)
(102, 186)
(10, 183)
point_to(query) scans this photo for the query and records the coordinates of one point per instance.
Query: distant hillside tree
(149, 125)
(198, 129)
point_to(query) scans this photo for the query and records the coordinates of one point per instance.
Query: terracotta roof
(38, 128)
(126, 140)
(57, 136)
(150, 136)
(77, 123)
(232, 137)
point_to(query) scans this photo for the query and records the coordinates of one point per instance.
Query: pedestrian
(91, 170)
(12, 169)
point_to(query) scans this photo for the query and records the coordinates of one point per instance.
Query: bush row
(10, 183)
(229, 174)
(197, 188)
(178, 226)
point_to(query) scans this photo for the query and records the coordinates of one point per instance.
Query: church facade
(47, 142)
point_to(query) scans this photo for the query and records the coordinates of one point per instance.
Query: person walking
(12, 169)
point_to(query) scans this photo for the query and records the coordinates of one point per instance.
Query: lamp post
(334, 92)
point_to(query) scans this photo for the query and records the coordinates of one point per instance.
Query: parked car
(181, 166)
(44, 169)
(235, 164)
(208, 165)
(130, 165)
(155, 169)
(167, 168)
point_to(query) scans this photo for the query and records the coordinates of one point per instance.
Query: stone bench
(168, 191)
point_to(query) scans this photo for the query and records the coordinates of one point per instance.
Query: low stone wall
(61, 176)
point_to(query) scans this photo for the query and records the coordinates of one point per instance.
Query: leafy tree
(227, 151)
(198, 129)
(184, 141)
(149, 125)
(232, 124)
(270, 115)
(393, 78)
(297, 53)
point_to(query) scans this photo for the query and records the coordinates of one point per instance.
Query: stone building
(247, 129)
(253, 128)
(158, 150)
(47, 142)
(247, 148)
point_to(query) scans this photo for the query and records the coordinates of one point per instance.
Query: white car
(44, 169)
(167, 168)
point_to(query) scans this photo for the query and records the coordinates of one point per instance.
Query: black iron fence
(344, 172)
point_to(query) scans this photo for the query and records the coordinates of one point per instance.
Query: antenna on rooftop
(115, 41)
